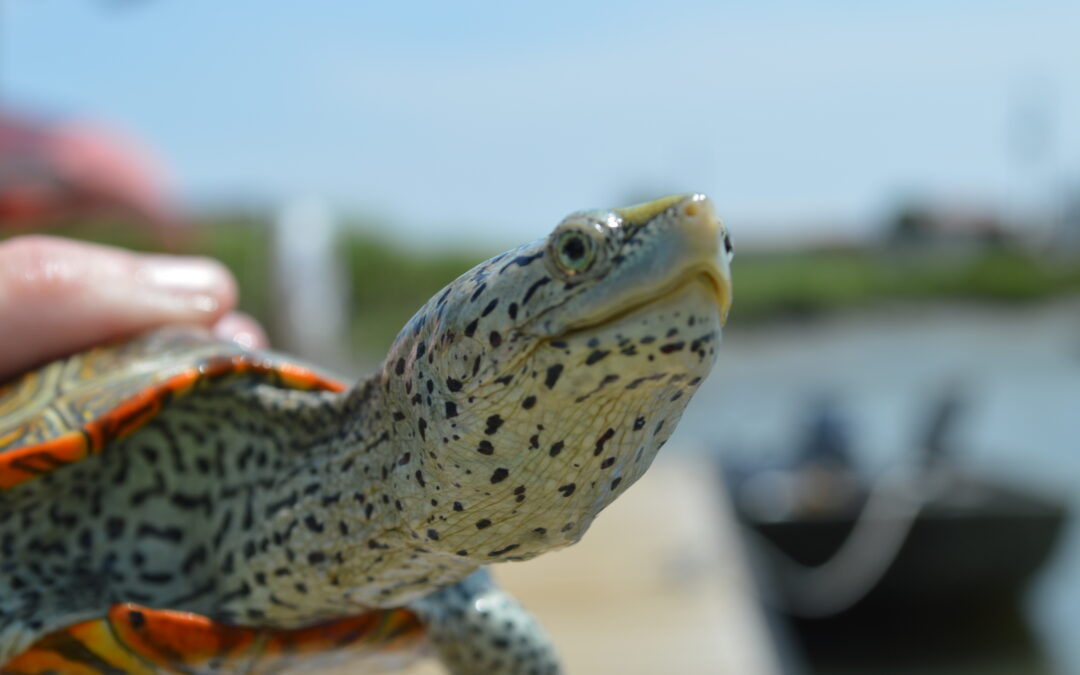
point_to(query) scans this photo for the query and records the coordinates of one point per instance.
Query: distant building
(947, 227)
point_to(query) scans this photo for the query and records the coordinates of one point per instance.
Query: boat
(926, 563)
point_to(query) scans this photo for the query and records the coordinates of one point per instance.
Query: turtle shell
(71, 408)
(143, 641)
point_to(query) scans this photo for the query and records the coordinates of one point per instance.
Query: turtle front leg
(476, 627)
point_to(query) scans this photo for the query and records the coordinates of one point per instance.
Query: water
(1019, 369)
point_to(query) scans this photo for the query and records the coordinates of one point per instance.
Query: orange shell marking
(22, 464)
(143, 641)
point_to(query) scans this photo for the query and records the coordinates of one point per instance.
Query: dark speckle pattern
(511, 409)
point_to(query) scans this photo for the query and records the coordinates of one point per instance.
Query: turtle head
(535, 388)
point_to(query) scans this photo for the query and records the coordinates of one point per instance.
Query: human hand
(59, 296)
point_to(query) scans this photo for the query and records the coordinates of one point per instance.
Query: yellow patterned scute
(70, 408)
(63, 395)
(25, 411)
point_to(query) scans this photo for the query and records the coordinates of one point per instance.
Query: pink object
(72, 170)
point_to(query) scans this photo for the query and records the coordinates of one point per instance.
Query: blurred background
(896, 411)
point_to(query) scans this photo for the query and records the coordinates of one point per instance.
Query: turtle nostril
(728, 247)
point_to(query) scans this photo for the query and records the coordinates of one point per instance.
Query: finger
(241, 329)
(58, 296)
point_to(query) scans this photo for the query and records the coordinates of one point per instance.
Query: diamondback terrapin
(178, 504)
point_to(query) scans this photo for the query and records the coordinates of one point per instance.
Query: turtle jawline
(701, 276)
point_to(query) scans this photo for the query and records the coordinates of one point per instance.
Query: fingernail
(186, 275)
(193, 284)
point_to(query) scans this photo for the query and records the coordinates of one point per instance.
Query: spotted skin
(475, 627)
(514, 406)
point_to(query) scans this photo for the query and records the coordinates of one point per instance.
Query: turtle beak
(706, 237)
(701, 244)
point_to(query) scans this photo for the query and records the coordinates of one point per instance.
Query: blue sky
(492, 120)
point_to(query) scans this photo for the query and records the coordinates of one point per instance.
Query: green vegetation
(812, 283)
(242, 243)
(387, 282)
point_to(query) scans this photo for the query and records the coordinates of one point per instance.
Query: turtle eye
(575, 252)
